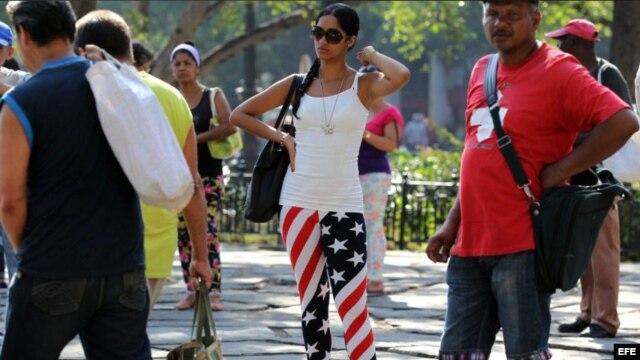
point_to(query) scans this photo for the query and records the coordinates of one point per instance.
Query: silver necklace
(328, 126)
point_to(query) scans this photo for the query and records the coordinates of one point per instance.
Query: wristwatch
(367, 135)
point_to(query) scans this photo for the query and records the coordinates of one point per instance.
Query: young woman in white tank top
(321, 218)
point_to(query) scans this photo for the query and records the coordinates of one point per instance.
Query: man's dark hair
(141, 53)
(105, 29)
(11, 64)
(45, 21)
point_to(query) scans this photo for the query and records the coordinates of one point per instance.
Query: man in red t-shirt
(546, 98)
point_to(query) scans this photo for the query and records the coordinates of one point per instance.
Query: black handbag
(567, 219)
(263, 195)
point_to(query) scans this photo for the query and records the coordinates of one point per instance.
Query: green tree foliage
(558, 13)
(451, 29)
(420, 26)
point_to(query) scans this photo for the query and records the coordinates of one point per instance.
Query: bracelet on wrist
(371, 54)
(284, 135)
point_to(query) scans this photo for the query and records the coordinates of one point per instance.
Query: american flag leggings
(329, 250)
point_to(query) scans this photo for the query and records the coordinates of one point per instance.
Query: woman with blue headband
(185, 65)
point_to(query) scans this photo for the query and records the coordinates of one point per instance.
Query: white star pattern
(357, 228)
(337, 276)
(338, 245)
(357, 259)
(311, 349)
(325, 326)
(325, 229)
(324, 289)
(482, 117)
(308, 317)
(327, 355)
(340, 216)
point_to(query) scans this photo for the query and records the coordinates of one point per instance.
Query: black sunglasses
(333, 36)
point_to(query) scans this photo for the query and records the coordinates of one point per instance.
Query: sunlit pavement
(261, 319)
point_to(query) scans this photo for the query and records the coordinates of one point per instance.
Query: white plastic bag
(625, 163)
(140, 136)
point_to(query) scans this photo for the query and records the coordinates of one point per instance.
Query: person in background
(382, 135)
(9, 76)
(600, 282)
(321, 218)
(546, 98)
(110, 32)
(416, 133)
(142, 56)
(185, 64)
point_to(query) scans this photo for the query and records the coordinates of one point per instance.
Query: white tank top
(326, 176)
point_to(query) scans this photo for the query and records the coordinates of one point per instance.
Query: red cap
(581, 28)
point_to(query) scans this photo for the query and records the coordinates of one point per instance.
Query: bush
(428, 164)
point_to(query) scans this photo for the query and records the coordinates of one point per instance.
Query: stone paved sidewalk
(261, 318)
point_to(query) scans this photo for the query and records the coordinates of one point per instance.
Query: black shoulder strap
(297, 80)
(504, 141)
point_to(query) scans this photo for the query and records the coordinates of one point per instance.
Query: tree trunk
(194, 14)
(625, 48)
(142, 7)
(263, 32)
(83, 7)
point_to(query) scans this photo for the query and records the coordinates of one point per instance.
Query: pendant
(328, 129)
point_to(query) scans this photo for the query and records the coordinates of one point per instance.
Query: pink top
(370, 159)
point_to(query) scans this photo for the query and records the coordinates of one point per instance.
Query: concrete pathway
(261, 319)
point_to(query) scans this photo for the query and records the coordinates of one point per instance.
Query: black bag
(263, 195)
(566, 220)
(566, 225)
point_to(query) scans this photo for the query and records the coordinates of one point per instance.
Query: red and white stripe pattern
(329, 249)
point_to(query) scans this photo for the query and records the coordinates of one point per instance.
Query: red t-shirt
(544, 102)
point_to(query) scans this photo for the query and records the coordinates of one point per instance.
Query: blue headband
(188, 48)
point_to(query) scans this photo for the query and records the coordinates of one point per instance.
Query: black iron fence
(415, 209)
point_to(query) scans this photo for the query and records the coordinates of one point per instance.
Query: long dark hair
(349, 22)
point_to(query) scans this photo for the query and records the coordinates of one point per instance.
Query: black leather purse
(263, 195)
(567, 219)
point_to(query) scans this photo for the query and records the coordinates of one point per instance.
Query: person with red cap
(600, 282)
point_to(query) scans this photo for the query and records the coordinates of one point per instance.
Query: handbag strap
(212, 100)
(297, 80)
(601, 68)
(503, 140)
(203, 323)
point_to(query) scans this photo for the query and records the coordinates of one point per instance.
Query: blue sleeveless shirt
(83, 215)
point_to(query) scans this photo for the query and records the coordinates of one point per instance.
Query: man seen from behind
(110, 32)
(66, 206)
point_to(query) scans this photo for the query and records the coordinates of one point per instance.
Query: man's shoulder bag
(566, 220)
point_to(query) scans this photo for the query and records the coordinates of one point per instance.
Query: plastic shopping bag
(140, 136)
(625, 163)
